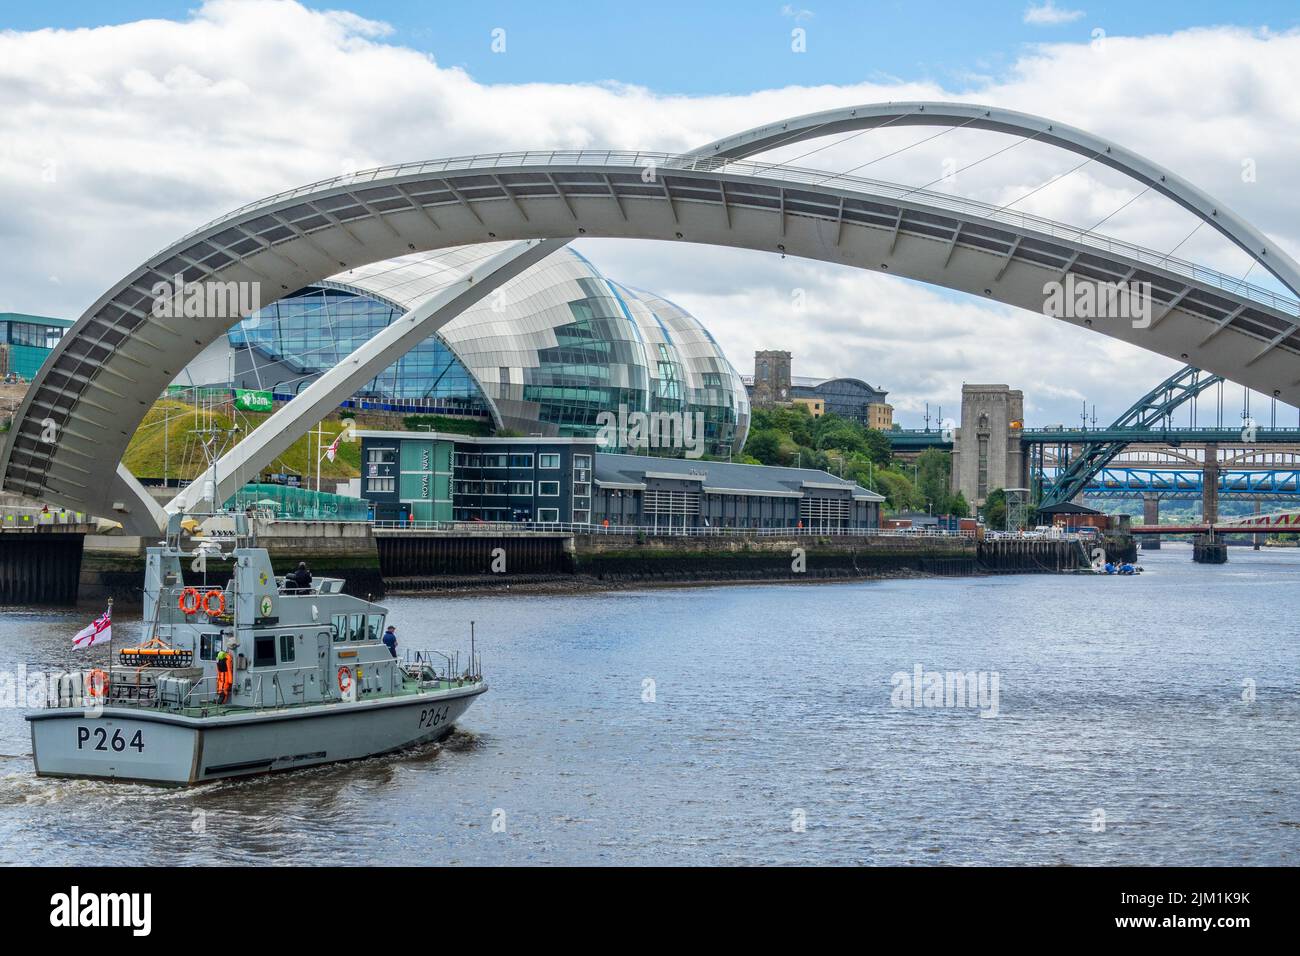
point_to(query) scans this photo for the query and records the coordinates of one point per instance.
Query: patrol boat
(253, 676)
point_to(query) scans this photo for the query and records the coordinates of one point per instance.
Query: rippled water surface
(772, 704)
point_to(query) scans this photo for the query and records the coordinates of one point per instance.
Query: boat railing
(451, 670)
(282, 699)
(190, 700)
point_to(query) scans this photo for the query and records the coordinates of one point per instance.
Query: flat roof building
(25, 341)
(430, 476)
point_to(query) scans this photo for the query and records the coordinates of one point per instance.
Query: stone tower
(771, 378)
(986, 452)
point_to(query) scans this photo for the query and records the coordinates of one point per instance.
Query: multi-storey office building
(436, 477)
(26, 341)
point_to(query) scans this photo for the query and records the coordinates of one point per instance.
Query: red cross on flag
(100, 632)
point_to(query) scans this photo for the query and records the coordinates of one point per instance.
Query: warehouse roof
(630, 471)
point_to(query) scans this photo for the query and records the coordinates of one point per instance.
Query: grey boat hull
(132, 744)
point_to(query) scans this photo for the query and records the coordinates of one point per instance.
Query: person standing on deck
(390, 640)
(225, 676)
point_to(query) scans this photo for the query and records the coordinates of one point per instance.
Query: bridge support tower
(1210, 485)
(1150, 516)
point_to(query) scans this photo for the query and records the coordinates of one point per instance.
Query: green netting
(299, 503)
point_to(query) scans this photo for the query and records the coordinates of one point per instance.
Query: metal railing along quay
(560, 527)
(20, 517)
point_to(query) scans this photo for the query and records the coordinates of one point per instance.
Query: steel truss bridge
(1278, 522)
(1119, 483)
(93, 392)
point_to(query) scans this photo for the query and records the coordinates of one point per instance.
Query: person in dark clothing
(299, 580)
(390, 640)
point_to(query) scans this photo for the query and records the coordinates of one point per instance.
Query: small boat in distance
(246, 676)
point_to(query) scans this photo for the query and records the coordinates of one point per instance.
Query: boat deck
(409, 688)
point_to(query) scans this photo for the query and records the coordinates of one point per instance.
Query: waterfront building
(546, 354)
(428, 476)
(25, 341)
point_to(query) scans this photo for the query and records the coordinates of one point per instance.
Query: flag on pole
(333, 448)
(100, 632)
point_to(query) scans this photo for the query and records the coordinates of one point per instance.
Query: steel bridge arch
(105, 373)
(1104, 151)
(1153, 407)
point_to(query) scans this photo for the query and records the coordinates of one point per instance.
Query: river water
(765, 724)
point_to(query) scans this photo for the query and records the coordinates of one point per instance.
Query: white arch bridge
(69, 435)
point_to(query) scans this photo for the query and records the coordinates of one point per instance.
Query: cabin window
(209, 646)
(358, 627)
(286, 648)
(341, 629)
(374, 626)
(264, 651)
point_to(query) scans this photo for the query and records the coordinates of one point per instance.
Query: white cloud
(115, 141)
(1049, 15)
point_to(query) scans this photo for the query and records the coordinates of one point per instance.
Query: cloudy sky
(122, 130)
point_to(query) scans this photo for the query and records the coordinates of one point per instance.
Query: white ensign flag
(100, 632)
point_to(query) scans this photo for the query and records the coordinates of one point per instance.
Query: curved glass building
(544, 354)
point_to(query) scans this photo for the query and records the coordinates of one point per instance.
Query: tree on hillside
(764, 446)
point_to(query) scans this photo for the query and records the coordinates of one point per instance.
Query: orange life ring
(189, 601)
(345, 680)
(221, 603)
(97, 683)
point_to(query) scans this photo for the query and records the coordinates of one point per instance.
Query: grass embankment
(171, 432)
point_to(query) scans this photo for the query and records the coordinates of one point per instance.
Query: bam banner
(249, 400)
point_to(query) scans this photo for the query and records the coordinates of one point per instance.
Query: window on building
(287, 652)
(522, 489)
(581, 489)
(381, 456)
(983, 467)
(581, 517)
(494, 461)
(581, 462)
(548, 461)
(381, 485)
(548, 514)
(548, 489)
(264, 651)
(521, 461)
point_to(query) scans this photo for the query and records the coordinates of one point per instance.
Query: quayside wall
(40, 567)
(375, 561)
